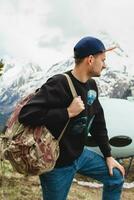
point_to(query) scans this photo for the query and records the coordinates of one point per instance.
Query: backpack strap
(74, 94)
(71, 85)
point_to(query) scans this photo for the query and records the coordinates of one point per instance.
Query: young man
(53, 105)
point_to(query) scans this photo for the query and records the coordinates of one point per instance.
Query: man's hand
(75, 107)
(112, 163)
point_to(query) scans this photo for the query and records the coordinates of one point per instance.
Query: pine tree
(1, 66)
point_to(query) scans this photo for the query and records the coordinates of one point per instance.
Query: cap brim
(111, 48)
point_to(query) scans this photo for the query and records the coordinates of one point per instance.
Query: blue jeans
(56, 184)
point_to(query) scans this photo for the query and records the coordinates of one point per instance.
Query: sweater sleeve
(48, 106)
(98, 128)
(99, 132)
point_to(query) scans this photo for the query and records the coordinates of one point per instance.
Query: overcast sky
(45, 31)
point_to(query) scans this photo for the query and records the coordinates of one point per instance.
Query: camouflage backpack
(30, 151)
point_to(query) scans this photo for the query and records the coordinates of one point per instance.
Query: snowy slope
(19, 80)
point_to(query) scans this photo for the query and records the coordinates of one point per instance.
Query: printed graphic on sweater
(83, 124)
(79, 126)
(90, 120)
(91, 96)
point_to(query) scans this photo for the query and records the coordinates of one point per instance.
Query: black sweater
(49, 107)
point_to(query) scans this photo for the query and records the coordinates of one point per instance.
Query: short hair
(78, 60)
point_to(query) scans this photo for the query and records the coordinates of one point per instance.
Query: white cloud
(44, 31)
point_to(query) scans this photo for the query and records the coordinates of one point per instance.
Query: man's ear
(90, 59)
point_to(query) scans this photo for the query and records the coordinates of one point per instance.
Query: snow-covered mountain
(18, 81)
(115, 84)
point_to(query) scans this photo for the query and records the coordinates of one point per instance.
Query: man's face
(97, 64)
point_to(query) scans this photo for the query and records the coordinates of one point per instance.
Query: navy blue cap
(88, 46)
